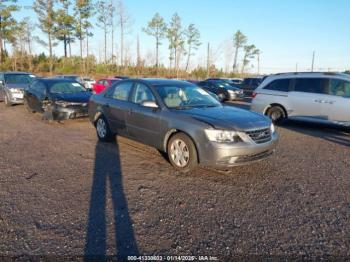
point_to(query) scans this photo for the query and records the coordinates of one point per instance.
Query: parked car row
(178, 118)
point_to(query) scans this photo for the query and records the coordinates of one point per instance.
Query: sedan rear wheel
(103, 131)
(182, 153)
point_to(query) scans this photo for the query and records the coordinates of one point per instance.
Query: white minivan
(316, 97)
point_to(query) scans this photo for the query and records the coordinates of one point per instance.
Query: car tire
(276, 114)
(222, 97)
(103, 130)
(7, 101)
(26, 105)
(182, 153)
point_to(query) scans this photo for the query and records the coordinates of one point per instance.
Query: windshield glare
(19, 79)
(66, 88)
(186, 96)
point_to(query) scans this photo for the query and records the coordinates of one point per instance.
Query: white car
(88, 82)
(316, 97)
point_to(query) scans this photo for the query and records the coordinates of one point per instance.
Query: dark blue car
(59, 99)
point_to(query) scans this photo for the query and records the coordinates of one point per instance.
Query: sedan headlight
(272, 127)
(62, 103)
(222, 136)
(16, 90)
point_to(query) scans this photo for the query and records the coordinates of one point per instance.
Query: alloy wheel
(101, 128)
(179, 153)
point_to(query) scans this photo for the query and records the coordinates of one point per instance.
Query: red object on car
(254, 95)
(103, 83)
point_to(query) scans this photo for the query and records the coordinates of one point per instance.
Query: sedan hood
(228, 117)
(19, 86)
(82, 97)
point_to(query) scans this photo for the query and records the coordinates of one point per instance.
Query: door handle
(319, 101)
(130, 111)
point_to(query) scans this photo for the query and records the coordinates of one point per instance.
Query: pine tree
(104, 22)
(239, 40)
(46, 16)
(84, 10)
(8, 24)
(175, 36)
(193, 42)
(64, 26)
(158, 29)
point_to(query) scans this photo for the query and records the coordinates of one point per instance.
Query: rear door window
(142, 93)
(122, 91)
(279, 85)
(311, 85)
(338, 87)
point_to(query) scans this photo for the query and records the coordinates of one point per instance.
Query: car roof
(108, 78)
(53, 79)
(16, 73)
(308, 74)
(161, 81)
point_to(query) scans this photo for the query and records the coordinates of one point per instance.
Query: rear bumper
(236, 96)
(226, 155)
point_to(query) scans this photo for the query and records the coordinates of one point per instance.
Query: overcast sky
(286, 32)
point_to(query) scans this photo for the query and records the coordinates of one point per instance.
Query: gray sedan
(182, 120)
(12, 86)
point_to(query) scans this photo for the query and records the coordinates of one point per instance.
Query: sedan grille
(260, 136)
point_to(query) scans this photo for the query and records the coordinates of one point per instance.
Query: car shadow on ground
(108, 176)
(331, 133)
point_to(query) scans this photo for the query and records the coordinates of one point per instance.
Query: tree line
(68, 22)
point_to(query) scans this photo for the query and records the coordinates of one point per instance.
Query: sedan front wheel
(182, 152)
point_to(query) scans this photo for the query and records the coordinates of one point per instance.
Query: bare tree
(111, 15)
(124, 23)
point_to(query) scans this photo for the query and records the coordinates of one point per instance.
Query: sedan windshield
(182, 97)
(66, 87)
(19, 78)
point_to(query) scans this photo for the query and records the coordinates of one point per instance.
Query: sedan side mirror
(150, 104)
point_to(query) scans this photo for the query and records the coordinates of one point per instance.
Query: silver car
(182, 120)
(12, 86)
(316, 97)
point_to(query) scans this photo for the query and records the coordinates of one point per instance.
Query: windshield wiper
(182, 107)
(206, 106)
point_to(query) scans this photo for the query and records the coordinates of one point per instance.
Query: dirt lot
(63, 193)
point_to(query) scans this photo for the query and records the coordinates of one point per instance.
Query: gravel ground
(63, 193)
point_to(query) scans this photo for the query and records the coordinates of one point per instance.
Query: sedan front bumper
(234, 154)
(15, 97)
(64, 113)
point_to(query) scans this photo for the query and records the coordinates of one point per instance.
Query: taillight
(254, 95)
